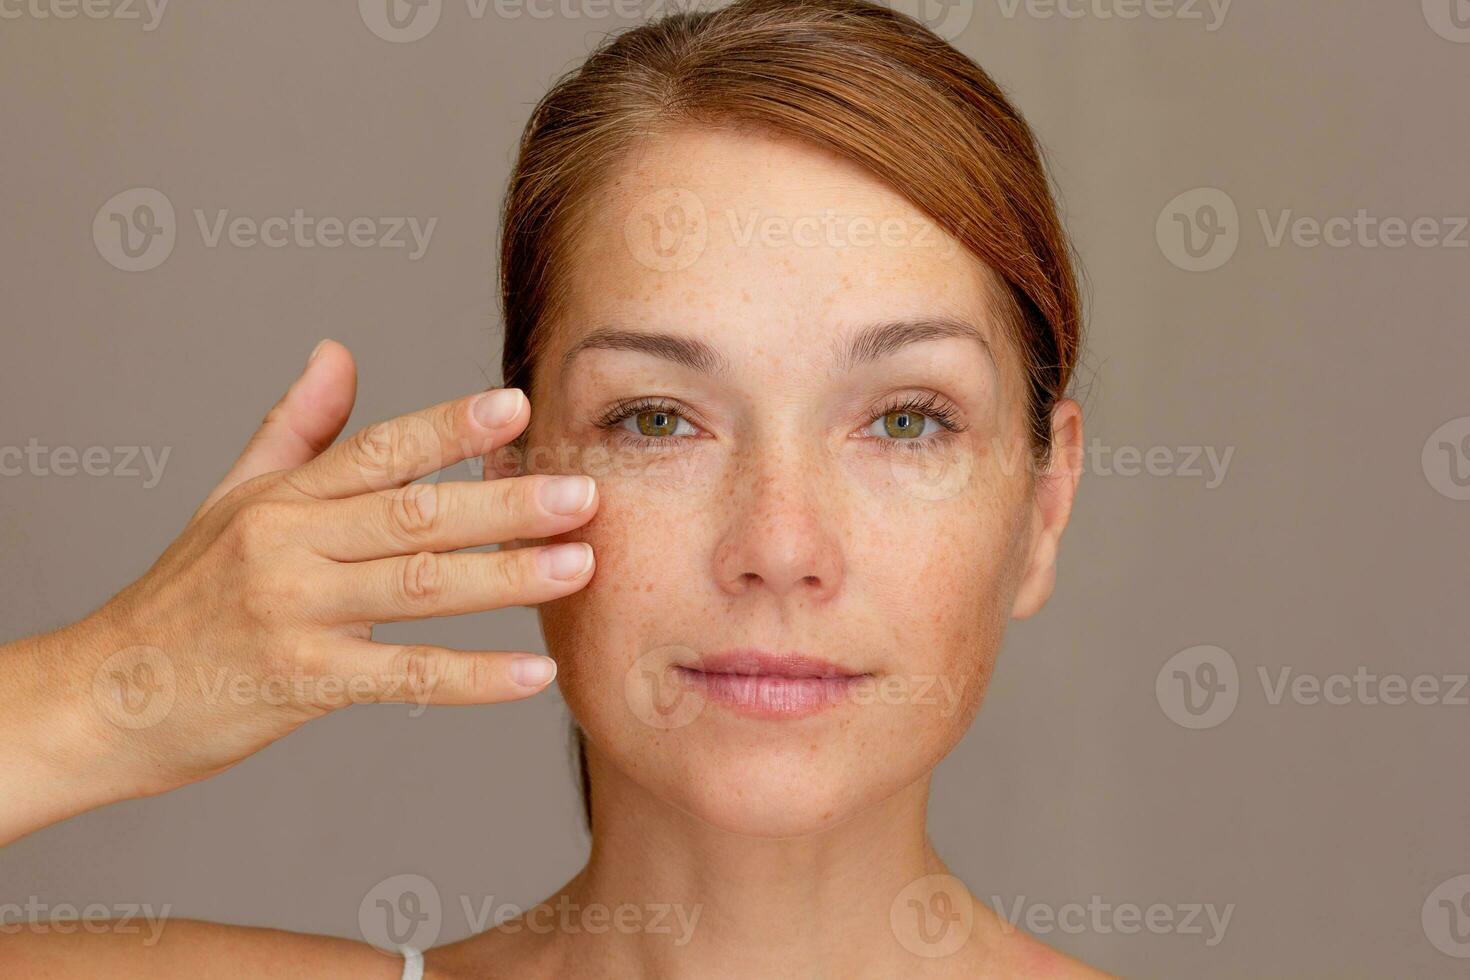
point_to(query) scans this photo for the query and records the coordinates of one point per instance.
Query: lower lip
(769, 695)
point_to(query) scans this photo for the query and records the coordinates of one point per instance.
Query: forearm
(58, 755)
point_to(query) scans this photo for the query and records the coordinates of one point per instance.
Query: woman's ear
(1051, 504)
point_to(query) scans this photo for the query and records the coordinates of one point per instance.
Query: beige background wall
(1335, 541)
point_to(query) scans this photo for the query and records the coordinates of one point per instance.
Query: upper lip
(763, 663)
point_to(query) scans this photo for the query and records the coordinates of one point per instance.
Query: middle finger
(448, 516)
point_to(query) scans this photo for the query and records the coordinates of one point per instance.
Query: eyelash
(929, 405)
(629, 407)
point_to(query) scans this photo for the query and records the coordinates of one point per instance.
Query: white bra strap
(413, 963)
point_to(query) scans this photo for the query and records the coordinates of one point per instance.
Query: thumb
(307, 419)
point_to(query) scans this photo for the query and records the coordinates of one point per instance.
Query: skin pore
(837, 467)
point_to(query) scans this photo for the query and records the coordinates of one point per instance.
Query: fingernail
(566, 494)
(316, 350)
(564, 561)
(498, 407)
(533, 671)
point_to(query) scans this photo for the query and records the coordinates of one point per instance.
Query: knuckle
(422, 579)
(260, 527)
(523, 498)
(476, 673)
(416, 668)
(450, 423)
(510, 571)
(375, 447)
(513, 498)
(415, 511)
(274, 416)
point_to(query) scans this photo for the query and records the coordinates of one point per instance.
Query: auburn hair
(864, 82)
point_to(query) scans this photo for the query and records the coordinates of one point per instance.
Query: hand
(259, 617)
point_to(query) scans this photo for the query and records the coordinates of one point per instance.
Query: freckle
(744, 296)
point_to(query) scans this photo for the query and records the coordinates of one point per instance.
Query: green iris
(655, 424)
(904, 425)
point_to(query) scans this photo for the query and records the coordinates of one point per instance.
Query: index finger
(397, 452)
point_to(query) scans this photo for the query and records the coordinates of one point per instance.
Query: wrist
(65, 757)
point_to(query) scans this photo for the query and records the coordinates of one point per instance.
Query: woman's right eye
(658, 424)
(649, 421)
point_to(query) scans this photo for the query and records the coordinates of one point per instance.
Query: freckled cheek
(647, 544)
(935, 569)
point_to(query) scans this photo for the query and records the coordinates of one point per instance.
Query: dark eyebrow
(868, 344)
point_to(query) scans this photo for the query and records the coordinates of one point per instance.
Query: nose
(781, 534)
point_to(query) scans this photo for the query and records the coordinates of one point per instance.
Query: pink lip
(768, 685)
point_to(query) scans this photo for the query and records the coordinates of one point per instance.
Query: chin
(784, 778)
(774, 783)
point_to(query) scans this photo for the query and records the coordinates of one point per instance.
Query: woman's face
(816, 514)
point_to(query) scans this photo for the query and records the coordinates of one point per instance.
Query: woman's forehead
(762, 241)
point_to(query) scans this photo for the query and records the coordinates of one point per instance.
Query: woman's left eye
(915, 420)
(903, 424)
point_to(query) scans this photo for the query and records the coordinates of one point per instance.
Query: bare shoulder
(1023, 955)
(189, 948)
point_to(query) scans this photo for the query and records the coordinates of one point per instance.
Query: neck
(712, 903)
